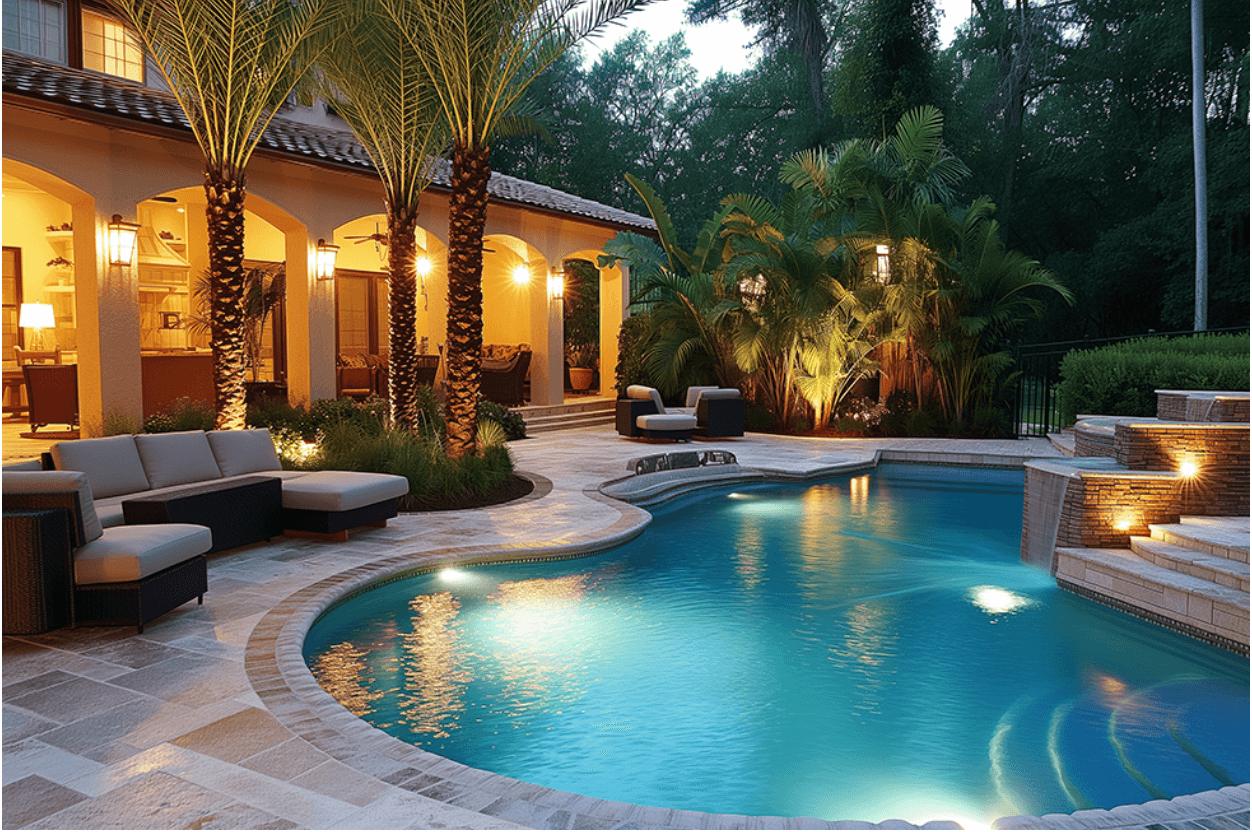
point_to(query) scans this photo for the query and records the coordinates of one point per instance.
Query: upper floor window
(110, 47)
(36, 27)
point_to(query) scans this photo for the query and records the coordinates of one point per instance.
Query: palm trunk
(467, 216)
(225, 192)
(402, 314)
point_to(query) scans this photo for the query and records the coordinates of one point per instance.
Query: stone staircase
(577, 414)
(1191, 575)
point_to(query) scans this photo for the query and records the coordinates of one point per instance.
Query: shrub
(116, 424)
(511, 422)
(347, 446)
(633, 340)
(1121, 379)
(183, 414)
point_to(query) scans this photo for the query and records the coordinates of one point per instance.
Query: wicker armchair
(504, 382)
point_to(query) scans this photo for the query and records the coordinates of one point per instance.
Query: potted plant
(582, 359)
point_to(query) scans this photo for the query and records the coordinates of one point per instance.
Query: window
(110, 47)
(36, 27)
(12, 301)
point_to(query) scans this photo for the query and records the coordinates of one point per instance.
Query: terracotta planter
(580, 378)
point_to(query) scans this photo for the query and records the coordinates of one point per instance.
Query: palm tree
(230, 64)
(481, 55)
(378, 85)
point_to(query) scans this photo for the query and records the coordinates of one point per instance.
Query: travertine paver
(210, 718)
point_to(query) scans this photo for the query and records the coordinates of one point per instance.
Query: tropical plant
(810, 315)
(480, 55)
(263, 290)
(378, 85)
(682, 296)
(230, 64)
(980, 293)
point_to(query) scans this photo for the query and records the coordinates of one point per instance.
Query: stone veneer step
(1210, 567)
(1221, 537)
(1126, 578)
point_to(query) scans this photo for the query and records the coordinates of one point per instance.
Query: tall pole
(1201, 177)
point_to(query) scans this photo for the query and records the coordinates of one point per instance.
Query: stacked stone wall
(1231, 410)
(1088, 445)
(1221, 486)
(1095, 505)
(1171, 407)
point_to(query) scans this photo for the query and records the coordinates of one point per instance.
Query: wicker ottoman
(666, 426)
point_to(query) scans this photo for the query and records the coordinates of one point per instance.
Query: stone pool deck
(211, 720)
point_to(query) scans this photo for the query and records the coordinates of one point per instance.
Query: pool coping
(275, 666)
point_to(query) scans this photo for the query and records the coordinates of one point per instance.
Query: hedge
(1121, 379)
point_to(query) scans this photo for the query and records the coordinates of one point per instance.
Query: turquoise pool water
(866, 648)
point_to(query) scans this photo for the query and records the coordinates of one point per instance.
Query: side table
(238, 511)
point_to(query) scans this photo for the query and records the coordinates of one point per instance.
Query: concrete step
(1222, 537)
(576, 406)
(1219, 570)
(1126, 577)
(566, 421)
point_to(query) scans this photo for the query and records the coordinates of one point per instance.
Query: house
(91, 137)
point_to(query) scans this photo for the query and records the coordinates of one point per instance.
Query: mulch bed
(511, 489)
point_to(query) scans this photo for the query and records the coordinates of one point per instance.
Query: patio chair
(356, 382)
(24, 357)
(52, 390)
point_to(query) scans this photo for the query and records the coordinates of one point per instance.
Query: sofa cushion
(111, 463)
(665, 421)
(177, 458)
(28, 481)
(244, 451)
(640, 391)
(693, 394)
(341, 490)
(128, 553)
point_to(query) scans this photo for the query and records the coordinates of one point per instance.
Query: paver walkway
(201, 722)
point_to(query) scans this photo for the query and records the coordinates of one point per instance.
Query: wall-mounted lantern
(556, 284)
(521, 274)
(122, 236)
(882, 264)
(326, 254)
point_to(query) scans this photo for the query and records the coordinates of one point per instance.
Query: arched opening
(612, 288)
(362, 311)
(582, 326)
(49, 242)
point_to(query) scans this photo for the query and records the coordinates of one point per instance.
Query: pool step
(1223, 537)
(1198, 564)
(1126, 580)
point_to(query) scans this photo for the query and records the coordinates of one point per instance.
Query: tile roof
(33, 78)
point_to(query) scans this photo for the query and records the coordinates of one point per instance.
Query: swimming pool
(865, 648)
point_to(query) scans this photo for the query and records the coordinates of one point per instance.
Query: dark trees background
(1073, 116)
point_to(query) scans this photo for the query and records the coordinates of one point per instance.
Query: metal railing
(1039, 372)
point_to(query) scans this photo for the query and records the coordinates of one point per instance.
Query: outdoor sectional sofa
(143, 511)
(711, 412)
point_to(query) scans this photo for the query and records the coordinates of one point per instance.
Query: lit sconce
(122, 236)
(422, 267)
(36, 316)
(1122, 524)
(1189, 468)
(326, 254)
(521, 274)
(556, 284)
(882, 264)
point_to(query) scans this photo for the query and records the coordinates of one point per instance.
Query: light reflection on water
(867, 648)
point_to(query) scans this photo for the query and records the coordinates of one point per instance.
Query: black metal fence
(1039, 371)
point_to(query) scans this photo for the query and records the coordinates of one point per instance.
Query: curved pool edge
(276, 669)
